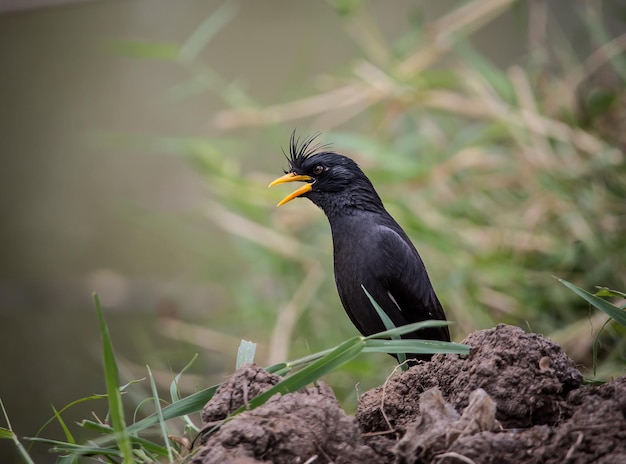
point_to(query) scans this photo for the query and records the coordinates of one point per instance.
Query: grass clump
(118, 441)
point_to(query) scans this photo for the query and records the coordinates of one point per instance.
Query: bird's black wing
(400, 285)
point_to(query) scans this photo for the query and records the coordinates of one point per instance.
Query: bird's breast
(354, 246)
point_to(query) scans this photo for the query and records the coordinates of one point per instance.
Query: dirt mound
(306, 426)
(515, 398)
(596, 432)
(526, 375)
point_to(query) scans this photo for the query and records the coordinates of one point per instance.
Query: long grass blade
(190, 404)
(389, 325)
(337, 357)
(78, 450)
(111, 376)
(613, 311)
(7, 433)
(73, 403)
(108, 430)
(159, 413)
(175, 394)
(414, 346)
(68, 435)
(404, 329)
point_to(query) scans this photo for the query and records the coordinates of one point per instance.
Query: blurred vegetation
(502, 177)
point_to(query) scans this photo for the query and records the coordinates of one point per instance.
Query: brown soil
(515, 398)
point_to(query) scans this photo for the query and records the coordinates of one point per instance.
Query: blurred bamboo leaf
(479, 63)
(207, 30)
(145, 50)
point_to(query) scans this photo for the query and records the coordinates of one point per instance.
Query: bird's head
(330, 179)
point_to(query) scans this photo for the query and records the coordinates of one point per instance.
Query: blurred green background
(138, 139)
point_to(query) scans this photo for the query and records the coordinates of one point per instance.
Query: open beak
(293, 177)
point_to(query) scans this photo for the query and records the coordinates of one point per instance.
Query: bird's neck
(354, 202)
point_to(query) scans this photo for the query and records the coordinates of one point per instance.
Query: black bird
(370, 247)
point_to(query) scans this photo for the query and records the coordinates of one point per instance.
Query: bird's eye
(317, 170)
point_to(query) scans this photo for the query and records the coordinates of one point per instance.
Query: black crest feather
(301, 149)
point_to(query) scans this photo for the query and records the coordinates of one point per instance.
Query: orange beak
(293, 177)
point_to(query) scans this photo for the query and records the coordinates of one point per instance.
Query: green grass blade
(414, 346)
(175, 395)
(96, 426)
(107, 429)
(7, 433)
(287, 367)
(245, 353)
(613, 311)
(68, 434)
(76, 450)
(596, 346)
(92, 449)
(111, 376)
(337, 357)
(67, 459)
(73, 403)
(409, 328)
(277, 368)
(388, 323)
(192, 403)
(159, 413)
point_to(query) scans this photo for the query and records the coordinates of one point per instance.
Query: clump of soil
(249, 381)
(515, 398)
(305, 426)
(526, 375)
